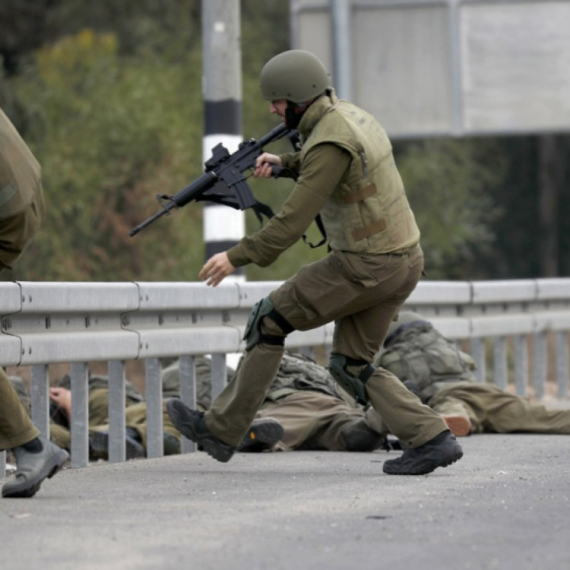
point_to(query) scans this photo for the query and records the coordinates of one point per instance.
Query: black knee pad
(354, 385)
(253, 334)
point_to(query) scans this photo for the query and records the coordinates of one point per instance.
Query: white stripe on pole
(222, 223)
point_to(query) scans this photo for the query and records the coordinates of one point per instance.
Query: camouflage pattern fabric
(296, 372)
(299, 372)
(418, 353)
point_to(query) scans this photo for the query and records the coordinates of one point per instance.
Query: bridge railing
(79, 323)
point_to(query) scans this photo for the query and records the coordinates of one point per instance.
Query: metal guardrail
(78, 323)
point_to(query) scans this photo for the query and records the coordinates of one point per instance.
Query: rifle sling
(261, 209)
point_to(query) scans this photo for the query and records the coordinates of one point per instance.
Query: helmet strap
(294, 113)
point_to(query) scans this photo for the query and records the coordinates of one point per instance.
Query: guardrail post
(562, 363)
(540, 364)
(478, 354)
(521, 365)
(218, 367)
(117, 422)
(153, 394)
(79, 415)
(188, 393)
(500, 362)
(306, 351)
(40, 398)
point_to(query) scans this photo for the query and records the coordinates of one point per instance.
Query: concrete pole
(222, 91)
(342, 53)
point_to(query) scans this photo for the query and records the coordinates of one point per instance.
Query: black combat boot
(99, 445)
(262, 435)
(359, 436)
(441, 451)
(190, 423)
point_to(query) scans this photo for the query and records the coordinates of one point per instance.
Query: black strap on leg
(253, 333)
(271, 339)
(366, 373)
(281, 321)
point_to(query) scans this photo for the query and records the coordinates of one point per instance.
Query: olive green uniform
(21, 214)
(346, 172)
(98, 409)
(16, 427)
(98, 406)
(135, 418)
(304, 398)
(443, 376)
(314, 411)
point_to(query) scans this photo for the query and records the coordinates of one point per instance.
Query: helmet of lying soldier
(404, 318)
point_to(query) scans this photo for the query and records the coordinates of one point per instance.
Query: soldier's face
(278, 107)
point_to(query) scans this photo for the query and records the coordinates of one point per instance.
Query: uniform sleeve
(322, 170)
(291, 160)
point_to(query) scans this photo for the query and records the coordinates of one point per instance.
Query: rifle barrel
(165, 210)
(278, 132)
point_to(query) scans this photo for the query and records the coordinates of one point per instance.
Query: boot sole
(262, 436)
(212, 448)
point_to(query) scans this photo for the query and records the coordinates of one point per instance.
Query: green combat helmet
(294, 75)
(404, 318)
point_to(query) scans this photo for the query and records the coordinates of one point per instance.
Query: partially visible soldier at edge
(346, 173)
(21, 215)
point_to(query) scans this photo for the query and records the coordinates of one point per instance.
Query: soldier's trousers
(312, 420)
(361, 294)
(16, 427)
(135, 417)
(491, 410)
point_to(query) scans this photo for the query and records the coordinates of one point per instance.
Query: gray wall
(428, 67)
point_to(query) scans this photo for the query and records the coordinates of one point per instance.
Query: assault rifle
(223, 181)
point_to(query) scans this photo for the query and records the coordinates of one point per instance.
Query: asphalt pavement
(505, 505)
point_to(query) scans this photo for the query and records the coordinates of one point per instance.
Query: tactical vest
(422, 355)
(369, 212)
(20, 172)
(298, 372)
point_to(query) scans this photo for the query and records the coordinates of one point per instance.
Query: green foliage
(109, 97)
(115, 117)
(110, 133)
(449, 184)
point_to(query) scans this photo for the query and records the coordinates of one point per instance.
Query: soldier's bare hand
(263, 165)
(216, 269)
(62, 397)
